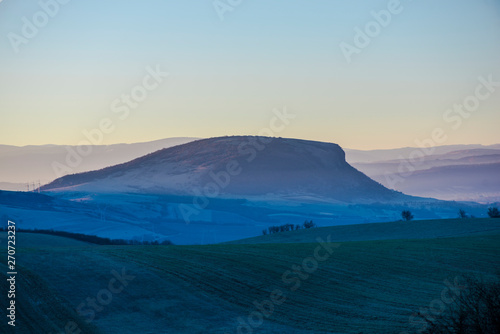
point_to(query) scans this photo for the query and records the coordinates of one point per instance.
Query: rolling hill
(217, 190)
(239, 167)
(32, 163)
(21, 164)
(362, 287)
(423, 229)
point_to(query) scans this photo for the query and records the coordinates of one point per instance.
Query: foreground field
(417, 229)
(361, 287)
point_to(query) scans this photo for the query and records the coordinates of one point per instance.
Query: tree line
(493, 212)
(93, 239)
(288, 227)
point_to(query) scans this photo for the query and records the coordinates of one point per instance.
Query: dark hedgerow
(289, 227)
(93, 239)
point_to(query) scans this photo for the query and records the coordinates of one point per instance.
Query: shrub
(493, 212)
(462, 214)
(309, 224)
(407, 216)
(288, 227)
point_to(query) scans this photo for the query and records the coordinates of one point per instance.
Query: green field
(361, 287)
(417, 229)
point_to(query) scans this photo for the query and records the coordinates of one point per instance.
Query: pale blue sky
(227, 76)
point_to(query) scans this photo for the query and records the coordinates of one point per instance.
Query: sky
(363, 74)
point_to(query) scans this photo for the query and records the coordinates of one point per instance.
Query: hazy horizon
(199, 138)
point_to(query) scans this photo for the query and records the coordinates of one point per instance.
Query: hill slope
(462, 175)
(237, 166)
(366, 286)
(420, 229)
(36, 162)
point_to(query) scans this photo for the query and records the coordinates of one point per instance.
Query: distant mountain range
(368, 156)
(476, 182)
(469, 174)
(19, 165)
(226, 188)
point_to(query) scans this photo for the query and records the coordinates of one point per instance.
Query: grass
(39, 307)
(365, 286)
(417, 229)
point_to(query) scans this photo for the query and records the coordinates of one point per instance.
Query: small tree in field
(407, 216)
(493, 212)
(462, 214)
(309, 224)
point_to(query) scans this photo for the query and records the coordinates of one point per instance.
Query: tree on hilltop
(407, 216)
